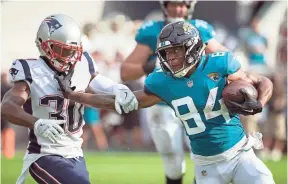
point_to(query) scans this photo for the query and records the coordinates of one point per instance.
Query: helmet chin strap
(58, 65)
(184, 72)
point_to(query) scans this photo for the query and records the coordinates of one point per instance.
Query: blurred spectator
(282, 45)
(114, 42)
(7, 133)
(92, 115)
(88, 30)
(226, 37)
(256, 47)
(275, 127)
(93, 123)
(131, 123)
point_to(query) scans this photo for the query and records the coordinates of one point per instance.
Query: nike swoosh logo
(248, 110)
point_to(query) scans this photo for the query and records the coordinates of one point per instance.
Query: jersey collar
(46, 61)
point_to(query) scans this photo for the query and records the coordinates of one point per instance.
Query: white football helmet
(59, 40)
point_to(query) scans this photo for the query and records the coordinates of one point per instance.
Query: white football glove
(124, 98)
(50, 129)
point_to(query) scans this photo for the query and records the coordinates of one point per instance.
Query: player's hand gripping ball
(240, 97)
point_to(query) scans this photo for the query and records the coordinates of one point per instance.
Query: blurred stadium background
(123, 151)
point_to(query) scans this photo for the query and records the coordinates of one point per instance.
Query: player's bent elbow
(269, 83)
(266, 86)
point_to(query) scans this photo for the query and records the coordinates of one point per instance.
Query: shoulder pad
(148, 34)
(223, 62)
(233, 65)
(20, 71)
(205, 29)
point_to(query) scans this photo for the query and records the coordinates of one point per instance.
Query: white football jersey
(48, 102)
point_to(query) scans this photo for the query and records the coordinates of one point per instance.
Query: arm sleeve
(147, 35)
(20, 71)
(152, 86)
(233, 65)
(101, 83)
(91, 63)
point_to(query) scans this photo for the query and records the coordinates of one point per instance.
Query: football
(231, 92)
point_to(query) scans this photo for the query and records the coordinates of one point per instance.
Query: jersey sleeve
(205, 29)
(20, 71)
(147, 35)
(91, 63)
(153, 84)
(233, 65)
(222, 62)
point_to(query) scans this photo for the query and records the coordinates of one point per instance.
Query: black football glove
(250, 106)
(149, 66)
(64, 82)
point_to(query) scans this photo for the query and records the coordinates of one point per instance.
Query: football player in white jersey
(54, 153)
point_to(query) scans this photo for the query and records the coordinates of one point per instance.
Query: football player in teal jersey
(135, 66)
(166, 130)
(192, 83)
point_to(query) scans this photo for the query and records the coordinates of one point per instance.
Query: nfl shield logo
(189, 83)
(204, 173)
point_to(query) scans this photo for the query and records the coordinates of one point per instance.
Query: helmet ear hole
(40, 40)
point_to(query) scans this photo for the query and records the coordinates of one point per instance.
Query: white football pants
(245, 168)
(168, 133)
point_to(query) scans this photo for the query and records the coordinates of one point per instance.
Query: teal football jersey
(197, 101)
(149, 31)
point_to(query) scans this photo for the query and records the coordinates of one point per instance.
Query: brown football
(231, 92)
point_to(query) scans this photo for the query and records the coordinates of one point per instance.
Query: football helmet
(59, 40)
(182, 34)
(190, 5)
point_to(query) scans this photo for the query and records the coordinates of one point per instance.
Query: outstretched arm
(144, 98)
(102, 101)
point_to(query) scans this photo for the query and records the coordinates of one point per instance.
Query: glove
(64, 82)
(124, 98)
(49, 129)
(149, 66)
(250, 106)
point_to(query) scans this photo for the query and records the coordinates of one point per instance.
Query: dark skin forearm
(104, 101)
(12, 111)
(97, 101)
(264, 88)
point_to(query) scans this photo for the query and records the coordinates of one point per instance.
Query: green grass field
(126, 168)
